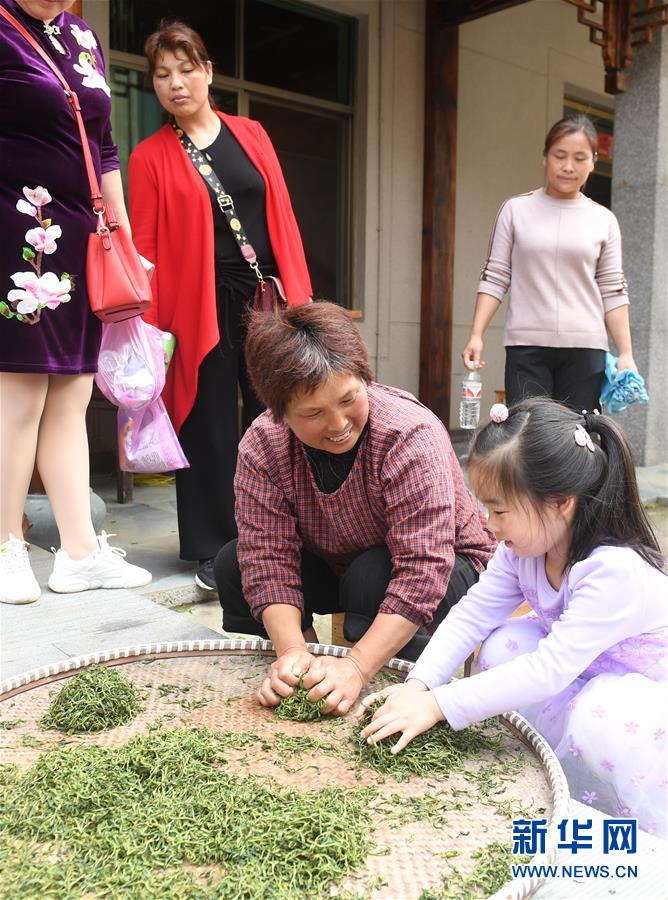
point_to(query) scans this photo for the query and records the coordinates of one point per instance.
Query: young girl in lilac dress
(587, 665)
(49, 338)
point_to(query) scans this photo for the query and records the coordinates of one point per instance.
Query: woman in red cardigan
(202, 284)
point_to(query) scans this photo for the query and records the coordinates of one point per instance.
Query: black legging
(571, 375)
(210, 436)
(358, 593)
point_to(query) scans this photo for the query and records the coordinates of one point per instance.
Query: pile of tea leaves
(298, 707)
(433, 753)
(160, 817)
(95, 699)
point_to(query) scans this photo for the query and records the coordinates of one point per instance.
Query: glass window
(313, 149)
(599, 183)
(136, 113)
(133, 20)
(308, 51)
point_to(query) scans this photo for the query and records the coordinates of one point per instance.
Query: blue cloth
(620, 389)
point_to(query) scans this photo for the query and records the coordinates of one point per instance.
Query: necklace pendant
(56, 43)
(51, 31)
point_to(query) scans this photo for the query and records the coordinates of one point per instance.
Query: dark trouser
(358, 593)
(571, 375)
(210, 435)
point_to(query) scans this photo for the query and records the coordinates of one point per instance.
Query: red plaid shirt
(405, 489)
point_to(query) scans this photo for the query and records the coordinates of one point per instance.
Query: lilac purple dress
(587, 667)
(45, 206)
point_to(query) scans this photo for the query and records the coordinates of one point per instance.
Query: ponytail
(533, 453)
(614, 509)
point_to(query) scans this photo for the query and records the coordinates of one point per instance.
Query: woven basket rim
(517, 889)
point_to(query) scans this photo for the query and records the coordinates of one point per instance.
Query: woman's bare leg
(63, 461)
(22, 398)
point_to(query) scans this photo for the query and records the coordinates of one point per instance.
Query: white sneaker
(17, 582)
(104, 568)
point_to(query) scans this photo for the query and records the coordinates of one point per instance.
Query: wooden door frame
(438, 211)
(442, 20)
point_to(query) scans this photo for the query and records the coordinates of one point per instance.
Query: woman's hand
(626, 361)
(339, 680)
(410, 708)
(472, 352)
(283, 675)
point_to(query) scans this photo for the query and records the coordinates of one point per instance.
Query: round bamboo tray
(222, 677)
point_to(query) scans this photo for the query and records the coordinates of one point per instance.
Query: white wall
(400, 163)
(387, 192)
(514, 67)
(96, 13)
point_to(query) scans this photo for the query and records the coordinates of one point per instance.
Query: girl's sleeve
(609, 272)
(497, 269)
(606, 606)
(485, 606)
(143, 193)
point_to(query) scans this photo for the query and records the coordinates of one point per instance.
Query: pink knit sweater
(562, 260)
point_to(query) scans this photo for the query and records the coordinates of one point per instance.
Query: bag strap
(73, 100)
(225, 201)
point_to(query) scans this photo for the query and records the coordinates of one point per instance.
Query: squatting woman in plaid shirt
(349, 498)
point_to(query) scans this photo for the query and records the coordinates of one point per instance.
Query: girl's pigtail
(615, 502)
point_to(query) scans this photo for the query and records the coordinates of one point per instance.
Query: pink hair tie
(583, 439)
(498, 413)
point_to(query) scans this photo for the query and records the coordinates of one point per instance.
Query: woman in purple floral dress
(49, 339)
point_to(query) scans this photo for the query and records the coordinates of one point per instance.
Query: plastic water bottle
(469, 406)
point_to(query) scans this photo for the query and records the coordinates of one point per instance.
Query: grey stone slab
(63, 625)
(640, 201)
(653, 483)
(19, 658)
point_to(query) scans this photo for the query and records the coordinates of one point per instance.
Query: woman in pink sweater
(559, 254)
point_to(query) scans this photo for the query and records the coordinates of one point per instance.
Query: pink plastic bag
(147, 441)
(131, 374)
(130, 367)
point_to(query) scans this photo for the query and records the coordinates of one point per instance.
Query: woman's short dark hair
(299, 348)
(574, 124)
(172, 35)
(533, 456)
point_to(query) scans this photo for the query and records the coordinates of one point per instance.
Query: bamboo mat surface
(218, 692)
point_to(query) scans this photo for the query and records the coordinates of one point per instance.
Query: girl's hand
(284, 674)
(413, 685)
(626, 361)
(406, 709)
(472, 352)
(339, 680)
